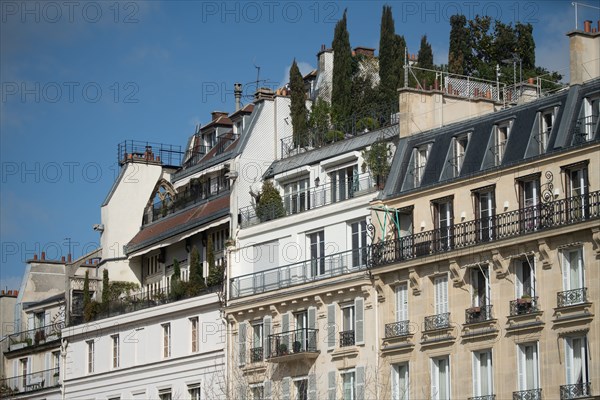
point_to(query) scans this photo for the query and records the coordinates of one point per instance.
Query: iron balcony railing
(485, 397)
(397, 329)
(575, 391)
(347, 338)
(585, 129)
(309, 199)
(571, 297)
(302, 272)
(29, 382)
(195, 155)
(140, 151)
(532, 394)
(439, 321)
(256, 354)
(524, 305)
(477, 314)
(501, 226)
(35, 336)
(293, 342)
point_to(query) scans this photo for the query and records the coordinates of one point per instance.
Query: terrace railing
(501, 226)
(140, 151)
(571, 297)
(302, 340)
(35, 336)
(524, 305)
(29, 382)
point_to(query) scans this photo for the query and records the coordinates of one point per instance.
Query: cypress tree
(270, 204)
(425, 60)
(105, 290)
(196, 278)
(391, 58)
(341, 90)
(298, 111)
(215, 272)
(458, 52)
(86, 290)
(176, 284)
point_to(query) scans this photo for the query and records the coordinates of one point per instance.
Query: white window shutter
(476, 375)
(395, 380)
(331, 387)
(521, 366)
(29, 370)
(331, 326)
(15, 380)
(401, 303)
(312, 387)
(267, 389)
(360, 383)
(47, 372)
(519, 281)
(266, 339)
(242, 343)
(569, 361)
(565, 269)
(359, 308)
(285, 388)
(312, 318)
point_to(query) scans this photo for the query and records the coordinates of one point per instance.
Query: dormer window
(459, 146)
(546, 123)
(420, 155)
(588, 123)
(501, 134)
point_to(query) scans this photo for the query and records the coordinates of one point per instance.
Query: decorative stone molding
(544, 251)
(596, 240)
(414, 281)
(457, 274)
(500, 264)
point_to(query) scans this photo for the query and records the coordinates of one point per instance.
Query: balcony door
(576, 360)
(480, 281)
(482, 373)
(440, 378)
(441, 294)
(528, 366)
(301, 334)
(525, 282)
(577, 192)
(400, 381)
(317, 253)
(486, 209)
(529, 204)
(573, 273)
(444, 220)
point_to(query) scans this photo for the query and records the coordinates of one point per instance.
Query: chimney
(43, 255)
(216, 114)
(16, 293)
(69, 257)
(2, 292)
(365, 51)
(35, 257)
(584, 52)
(237, 92)
(263, 94)
(62, 259)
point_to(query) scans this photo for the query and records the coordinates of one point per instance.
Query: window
(165, 394)
(39, 320)
(302, 334)
(420, 155)
(152, 264)
(529, 203)
(459, 146)
(55, 367)
(480, 282)
(257, 342)
(348, 385)
(194, 392)
(400, 382)
(440, 284)
(528, 366)
(573, 277)
(90, 356)
(258, 392)
(401, 302)
(115, 351)
(194, 333)
(24, 371)
(344, 182)
(546, 122)
(591, 113)
(347, 335)
(576, 360)
(301, 388)
(485, 204)
(482, 373)
(359, 243)
(577, 190)
(166, 328)
(444, 222)
(440, 378)
(297, 196)
(501, 134)
(317, 253)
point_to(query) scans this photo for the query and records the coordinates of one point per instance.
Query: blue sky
(78, 78)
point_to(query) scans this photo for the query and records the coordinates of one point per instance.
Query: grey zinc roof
(323, 153)
(569, 104)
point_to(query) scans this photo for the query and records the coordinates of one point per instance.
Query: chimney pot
(587, 26)
(237, 92)
(2, 292)
(35, 257)
(43, 255)
(62, 259)
(16, 292)
(69, 257)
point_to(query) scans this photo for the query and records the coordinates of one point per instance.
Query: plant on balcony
(269, 204)
(105, 290)
(91, 310)
(282, 349)
(298, 111)
(215, 272)
(525, 299)
(367, 124)
(177, 289)
(297, 346)
(39, 336)
(319, 121)
(377, 161)
(334, 136)
(196, 283)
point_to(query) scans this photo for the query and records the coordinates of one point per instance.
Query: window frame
(90, 356)
(166, 336)
(116, 351)
(194, 323)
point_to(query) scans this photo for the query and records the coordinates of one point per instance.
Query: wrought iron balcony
(486, 397)
(29, 382)
(303, 272)
(396, 329)
(292, 342)
(347, 338)
(524, 305)
(256, 354)
(309, 199)
(439, 321)
(571, 297)
(533, 394)
(477, 314)
(35, 336)
(510, 224)
(575, 391)
(139, 151)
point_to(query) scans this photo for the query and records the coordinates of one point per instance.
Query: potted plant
(297, 346)
(40, 337)
(525, 299)
(282, 349)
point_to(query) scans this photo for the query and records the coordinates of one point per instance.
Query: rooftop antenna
(257, 75)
